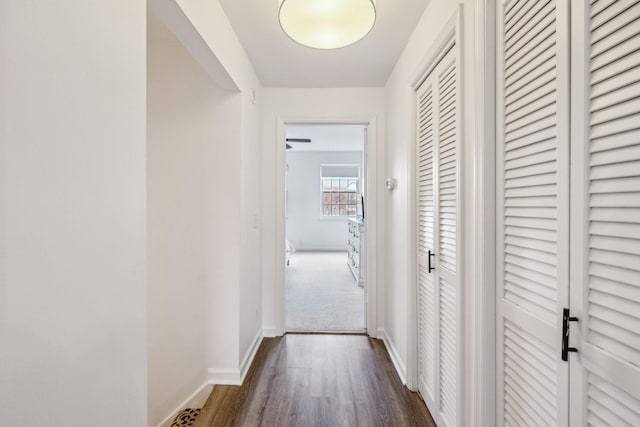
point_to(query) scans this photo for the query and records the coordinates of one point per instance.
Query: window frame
(322, 180)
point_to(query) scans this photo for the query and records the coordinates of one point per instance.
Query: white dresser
(355, 248)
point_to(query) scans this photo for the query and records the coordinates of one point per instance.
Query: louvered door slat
(525, 354)
(545, 135)
(609, 56)
(532, 237)
(520, 95)
(540, 146)
(620, 87)
(600, 5)
(535, 103)
(515, 15)
(523, 57)
(533, 29)
(540, 68)
(622, 245)
(607, 404)
(612, 11)
(615, 30)
(626, 63)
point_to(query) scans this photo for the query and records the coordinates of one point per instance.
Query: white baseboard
(380, 333)
(395, 357)
(250, 355)
(224, 376)
(235, 376)
(270, 332)
(197, 400)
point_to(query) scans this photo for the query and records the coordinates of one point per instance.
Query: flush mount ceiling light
(327, 24)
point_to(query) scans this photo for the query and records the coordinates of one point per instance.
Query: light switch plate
(390, 183)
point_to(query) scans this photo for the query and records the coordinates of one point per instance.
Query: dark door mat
(186, 418)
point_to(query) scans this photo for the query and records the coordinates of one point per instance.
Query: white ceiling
(327, 137)
(281, 62)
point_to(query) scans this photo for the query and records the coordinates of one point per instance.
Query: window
(340, 189)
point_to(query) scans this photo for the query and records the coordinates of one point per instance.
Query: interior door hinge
(566, 318)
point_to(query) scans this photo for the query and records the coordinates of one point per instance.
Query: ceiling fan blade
(306, 140)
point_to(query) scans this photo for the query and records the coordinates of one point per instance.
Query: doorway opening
(325, 285)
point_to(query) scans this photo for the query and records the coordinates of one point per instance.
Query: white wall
(191, 219)
(319, 104)
(211, 22)
(400, 119)
(306, 228)
(72, 213)
(233, 322)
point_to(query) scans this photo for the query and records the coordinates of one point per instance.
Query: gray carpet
(322, 294)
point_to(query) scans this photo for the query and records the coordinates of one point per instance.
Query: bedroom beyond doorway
(324, 194)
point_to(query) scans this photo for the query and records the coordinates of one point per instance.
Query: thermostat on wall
(390, 183)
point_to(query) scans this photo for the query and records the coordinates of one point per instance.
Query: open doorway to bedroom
(325, 286)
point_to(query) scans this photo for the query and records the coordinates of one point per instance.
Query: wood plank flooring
(316, 381)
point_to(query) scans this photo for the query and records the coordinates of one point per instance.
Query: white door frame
(371, 224)
(484, 218)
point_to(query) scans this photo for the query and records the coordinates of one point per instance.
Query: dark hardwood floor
(317, 380)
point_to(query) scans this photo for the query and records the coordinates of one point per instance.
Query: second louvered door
(605, 244)
(532, 211)
(437, 214)
(590, 264)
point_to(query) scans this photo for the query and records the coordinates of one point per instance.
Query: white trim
(279, 302)
(439, 49)
(579, 247)
(395, 357)
(371, 224)
(250, 355)
(224, 376)
(412, 253)
(462, 239)
(483, 277)
(270, 332)
(236, 376)
(499, 224)
(196, 400)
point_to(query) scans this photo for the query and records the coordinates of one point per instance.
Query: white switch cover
(390, 183)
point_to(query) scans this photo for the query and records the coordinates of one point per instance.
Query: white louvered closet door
(532, 211)
(437, 201)
(605, 251)
(427, 332)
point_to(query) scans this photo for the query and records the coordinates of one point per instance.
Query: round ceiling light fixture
(327, 24)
